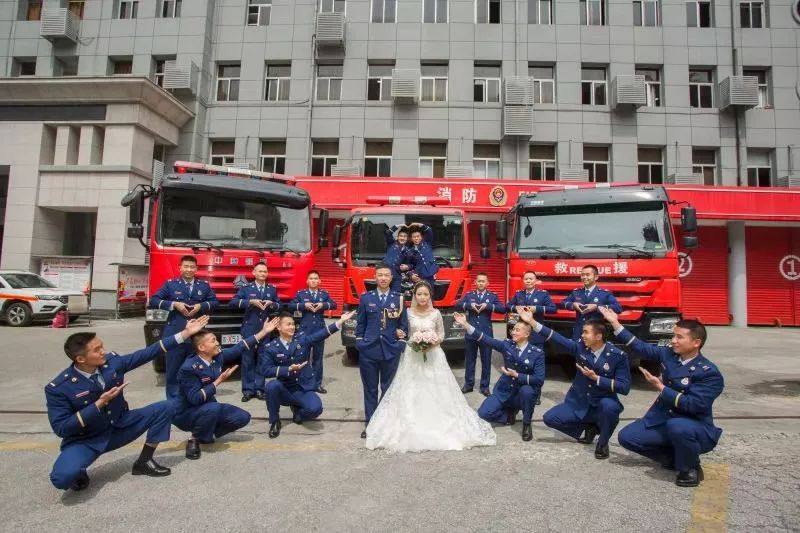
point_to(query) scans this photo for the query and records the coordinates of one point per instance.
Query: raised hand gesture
(588, 372)
(526, 316)
(460, 318)
(345, 316)
(225, 375)
(109, 395)
(651, 379)
(610, 315)
(268, 328)
(193, 326)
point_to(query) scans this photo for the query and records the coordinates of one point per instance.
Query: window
(487, 83)
(434, 11)
(595, 160)
(432, 159)
(700, 88)
(651, 165)
(276, 84)
(486, 160)
(158, 71)
(759, 168)
(324, 154)
(542, 162)
(273, 156)
(379, 82)
(329, 82)
(544, 84)
(228, 82)
(540, 12)
(434, 83)
(698, 14)
(378, 159)
(593, 12)
(76, 7)
(646, 13)
(751, 14)
(652, 84)
(121, 66)
(222, 152)
(384, 11)
(705, 162)
(331, 6)
(22, 67)
(593, 86)
(170, 9)
(487, 11)
(763, 86)
(33, 10)
(258, 12)
(128, 9)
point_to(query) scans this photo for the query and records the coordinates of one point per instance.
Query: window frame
(435, 80)
(642, 13)
(328, 80)
(33, 10)
(436, 17)
(256, 7)
(594, 85)
(327, 160)
(750, 5)
(225, 159)
(484, 162)
(433, 160)
(650, 165)
(699, 168)
(488, 13)
(484, 80)
(333, 4)
(133, 14)
(538, 82)
(696, 89)
(538, 12)
(584, 10)
(380, 80)
(158, 77)
(174, 7)
(764, 101)
(383, 12)
(282, 82)
(544, 165)
(698, 15)
(595, 163)
(231, 82)
(652, 88)
(77, 7)
(277, 159)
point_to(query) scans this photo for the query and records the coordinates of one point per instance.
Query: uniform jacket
(612, 367)
(376, 326)
(481, 321)
(396, 253)
(529, 364)
(598, 296)
(540, 303)
(311, 321)
(70, 398)
(275, 359)
(176, 290)
(254, 317)
(423, 260)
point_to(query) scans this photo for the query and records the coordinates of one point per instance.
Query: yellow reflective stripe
(80, 419)
(678, 397)
(245, 343)
(630, 341)
(162, 345)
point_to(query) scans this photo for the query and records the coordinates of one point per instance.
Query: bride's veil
(415, 306)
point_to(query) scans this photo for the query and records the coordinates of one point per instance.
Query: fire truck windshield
(188, 217)
(636, 229)
(369, 242)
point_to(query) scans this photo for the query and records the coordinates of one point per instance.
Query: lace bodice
(431, 321)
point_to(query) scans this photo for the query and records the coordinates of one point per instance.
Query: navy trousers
(676, 444)
(494, 410)
(471, 349)
(212, 420)
(605, 416)
(174, 358)
(308, 403)
(373, 372)
(252, 380)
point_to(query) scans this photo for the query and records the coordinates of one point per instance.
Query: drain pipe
(310, 113)
(737, 112)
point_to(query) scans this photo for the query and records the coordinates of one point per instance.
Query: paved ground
(319, 476)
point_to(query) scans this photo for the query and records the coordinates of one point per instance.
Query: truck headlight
(156, 315)
(663, 325)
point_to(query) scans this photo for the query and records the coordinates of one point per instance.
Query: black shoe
(296, 418)
(601, 452)
(275, 429)
(689, 478)
(485, 392)
(81, 482)
(260, 395)
(322, 390)
(364, 434)
(150, 468)
(589, 434)
(192, 449)
(527, 434)
(466, 390)
(511, 417)
(247, 396)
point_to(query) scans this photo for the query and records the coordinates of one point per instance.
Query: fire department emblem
(498, 196)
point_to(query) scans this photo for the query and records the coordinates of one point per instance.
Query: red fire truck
(230, 219)
(625, 231)
(359, 245)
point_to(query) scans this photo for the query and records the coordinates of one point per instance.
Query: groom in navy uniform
(382, 325)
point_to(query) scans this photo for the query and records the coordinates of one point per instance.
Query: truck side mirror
(134, 201)
(483, 233)
(322, 228)
(689, 219)
(502, 231)
(135, 232)
(337, 235)
(690, 241)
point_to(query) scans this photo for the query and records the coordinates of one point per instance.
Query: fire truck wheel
(19, 314)
(350, 357)
(159, 364)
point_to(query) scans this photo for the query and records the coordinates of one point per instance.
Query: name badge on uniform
(606, 367)
(82, 394)
(536, 300)
(199, 293)
(596, 300)
(685, 381)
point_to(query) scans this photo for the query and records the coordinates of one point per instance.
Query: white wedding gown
(424, 408)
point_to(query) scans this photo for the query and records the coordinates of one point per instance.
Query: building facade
(654, 91)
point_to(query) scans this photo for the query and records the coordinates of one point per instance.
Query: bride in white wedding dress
(424, 408)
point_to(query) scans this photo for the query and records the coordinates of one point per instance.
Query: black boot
(296, 418)
(511, 417)
(689, 478)
(275, 429)
(589, 434)
(81, 482)
(601, 452)
(247, 396)
(192, 449)
(527, 434)
(150, 468)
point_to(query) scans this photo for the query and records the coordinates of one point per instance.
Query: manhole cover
(776, 388)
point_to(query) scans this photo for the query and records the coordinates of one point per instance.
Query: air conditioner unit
(180, 76)
(458, 171)
(330, 30)
(738, 91)
(691, 179)
(573, 174)
(628, 91)
(346, 170)
(518, 91)
(405, 85)
(59, 24)
(517, 121)
(788, 181)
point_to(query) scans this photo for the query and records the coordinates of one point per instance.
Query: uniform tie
(383, 299)
(96, 380)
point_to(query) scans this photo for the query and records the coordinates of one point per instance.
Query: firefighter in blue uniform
(86, 407)
(422, 258)
(587, 300)
(291, 380)
(398, 254)
(381, 330)
(679, 426)
(310, 305)
(591, 404)
(521, 380)
(260, 301)
(479, 306)
(198, 410)
(537, 301)
(185, 297)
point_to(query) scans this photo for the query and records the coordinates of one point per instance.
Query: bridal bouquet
(422, 341)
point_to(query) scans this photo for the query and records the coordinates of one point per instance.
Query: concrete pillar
(66, 149)
(737, 274)
(90, 149)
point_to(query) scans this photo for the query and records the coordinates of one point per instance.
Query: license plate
(233, 338)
